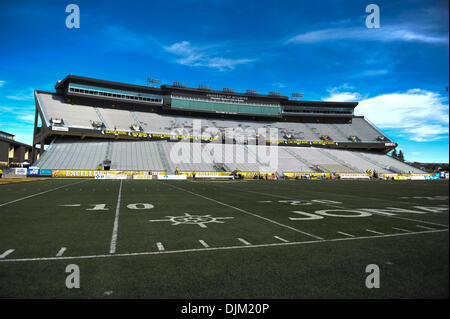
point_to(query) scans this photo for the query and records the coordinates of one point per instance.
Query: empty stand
(72, 153)
(54, 106)
(74, 115)
(122, 120)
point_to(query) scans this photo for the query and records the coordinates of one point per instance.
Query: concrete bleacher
(135, 155)
(356, 160)
(74, 115)
(120, 119)
(74, 153)
(360, 128)
(390, 163)
(82, 116)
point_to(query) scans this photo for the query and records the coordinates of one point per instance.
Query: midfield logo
(188, 219)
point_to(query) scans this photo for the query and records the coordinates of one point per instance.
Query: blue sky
(323, 49)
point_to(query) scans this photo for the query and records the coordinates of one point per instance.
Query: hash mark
(244, 241)
(375, 232)
(425, 227)
(282, 239)
(61, 252)
(6, 253)
(204, 243)
(401, 229)
(345, 234)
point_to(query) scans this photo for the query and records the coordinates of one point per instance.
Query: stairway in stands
(334, 167)
(390, 169)
(304, 161)
(163, 155)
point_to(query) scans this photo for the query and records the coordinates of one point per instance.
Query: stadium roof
(167, 89)
(64, 82)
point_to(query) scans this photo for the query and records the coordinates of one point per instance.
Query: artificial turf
(257, 245)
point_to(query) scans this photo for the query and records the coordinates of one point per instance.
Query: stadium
(167, 191)
(90, 124)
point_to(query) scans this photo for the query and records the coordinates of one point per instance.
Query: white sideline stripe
(6, 253)
(248, 213)
(375, 232)
(401, 229)
(204, 243)
(425, 227)
(61, 252)
(244, 241)
(345, 234)
(112, 249)
(147, 253)
(160, 246)
(342, 207)
(40, 193)
(282, 239)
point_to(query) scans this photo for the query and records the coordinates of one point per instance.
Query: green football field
(228, 239)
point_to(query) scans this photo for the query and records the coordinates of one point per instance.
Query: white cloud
(23, 95)
(337, 96)
(417, 114)
(26, 117)
(427, 132)
(384, 34)
(6, 108)
(279, 85)
(375, 72)
(2, 83)
(343, 97)
(196, 56)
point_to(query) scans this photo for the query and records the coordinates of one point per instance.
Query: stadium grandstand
(91, 124)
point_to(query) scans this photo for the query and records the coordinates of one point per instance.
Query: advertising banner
(177, 177)
(354, 175)
(47, 172)
(92, 174)
(21, 171)
(34, 171)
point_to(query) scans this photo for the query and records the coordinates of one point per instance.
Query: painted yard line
(425, 227)
(247, 212)
(411, 219)
(401, 229)
(340, 195)
(160, 246)
(204, 244)
(374, 232)
(112, 249)
(6, 253)
(342, 207)
(282, 239)
(40, 193)
(148, 253)
(244, 241)
(61, 252)
(345, 234)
